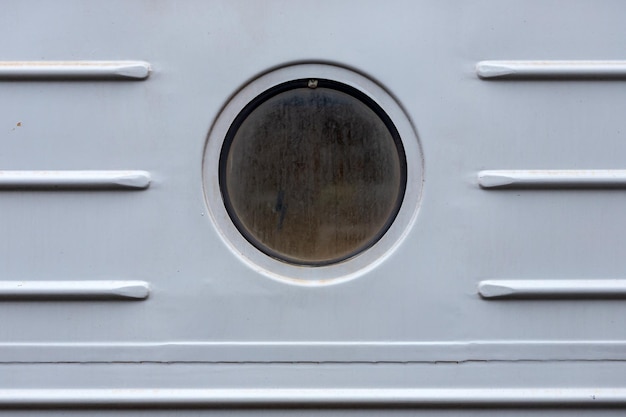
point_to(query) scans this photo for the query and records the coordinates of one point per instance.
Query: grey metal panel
(73, 290)
(557, 70)
(553, 289)
(313, 397)
(568, 179)
(73, 180)
(420, 304)
(73, 70)
(299, 386)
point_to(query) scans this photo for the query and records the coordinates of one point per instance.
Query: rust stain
(19, 124)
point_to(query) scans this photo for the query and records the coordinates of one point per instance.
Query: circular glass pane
(312, 172)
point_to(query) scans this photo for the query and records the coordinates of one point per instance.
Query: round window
(312, 172)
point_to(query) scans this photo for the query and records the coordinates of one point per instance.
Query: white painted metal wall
(504, 292)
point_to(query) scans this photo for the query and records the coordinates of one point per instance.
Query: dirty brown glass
(311, 174)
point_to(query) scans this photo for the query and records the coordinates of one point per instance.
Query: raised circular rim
(309, 275)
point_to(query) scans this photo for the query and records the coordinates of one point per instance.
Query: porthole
(312, 172)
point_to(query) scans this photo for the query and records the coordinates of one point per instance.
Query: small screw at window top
(312, 83)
